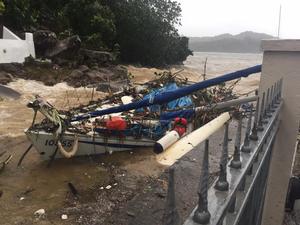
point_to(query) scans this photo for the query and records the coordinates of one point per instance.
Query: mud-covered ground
(122, 188)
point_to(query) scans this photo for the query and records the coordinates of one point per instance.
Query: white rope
(71, 153)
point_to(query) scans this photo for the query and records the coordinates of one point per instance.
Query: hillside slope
(246, 42)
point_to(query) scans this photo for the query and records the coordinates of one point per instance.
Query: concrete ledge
(285, 45)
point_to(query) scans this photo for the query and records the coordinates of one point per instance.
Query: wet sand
(135, 174)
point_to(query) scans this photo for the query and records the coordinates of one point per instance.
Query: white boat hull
(46, 145)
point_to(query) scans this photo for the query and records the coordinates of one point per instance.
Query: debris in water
(108, 187)
(124, 123)
(24, 154)
(64, 217)
(27, 191)
(73, 189)
(5, 162)
(22, 198)
(131, 214)
(40, 213)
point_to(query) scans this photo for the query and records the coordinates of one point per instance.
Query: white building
(15, 50)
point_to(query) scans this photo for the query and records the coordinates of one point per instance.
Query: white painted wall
(15, 50)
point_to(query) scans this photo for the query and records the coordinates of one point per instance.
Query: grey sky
(213, 17)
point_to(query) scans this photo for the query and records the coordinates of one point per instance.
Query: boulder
(48, 46)
(13, 68)
(95, 76)
(83, 68)
(44, 40)
(107, 87)
(120, 73)
(76, 74)
(5, 77)
(50, 81)
(91, 57)
(66, 49)
(108, 72)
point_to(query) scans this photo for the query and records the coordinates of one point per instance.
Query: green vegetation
(144, 30)
(2, 7)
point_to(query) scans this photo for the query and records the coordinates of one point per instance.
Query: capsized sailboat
(125, 121)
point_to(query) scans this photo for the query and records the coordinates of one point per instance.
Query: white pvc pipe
(190, 141)
(166, 141)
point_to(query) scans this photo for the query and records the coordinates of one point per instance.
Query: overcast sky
(213, 17)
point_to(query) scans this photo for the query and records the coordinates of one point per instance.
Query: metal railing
(237, 195)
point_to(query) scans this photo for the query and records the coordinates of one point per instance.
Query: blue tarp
(138, 130)
(177, 103)
(169, 96)
(188, 113)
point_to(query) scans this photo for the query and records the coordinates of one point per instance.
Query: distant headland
(245, 42)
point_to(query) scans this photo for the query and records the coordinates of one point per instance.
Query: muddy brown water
(137, 197)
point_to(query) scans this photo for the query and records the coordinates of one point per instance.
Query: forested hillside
(144, 31)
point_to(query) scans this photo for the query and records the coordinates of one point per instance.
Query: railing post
(260, 126)
(275, 94)
(253, 135)
(266, 109)
(236, 161)
(171, 216)
(272, 100)
(222, 183)
(202, 215)
(246, 145)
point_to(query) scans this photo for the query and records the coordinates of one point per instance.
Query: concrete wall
(281, 59)
(15, 50)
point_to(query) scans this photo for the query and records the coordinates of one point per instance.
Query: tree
(28, 15)
(146, 31)
(93, 21)
(2, 7)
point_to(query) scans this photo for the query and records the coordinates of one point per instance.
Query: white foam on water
(37, 87)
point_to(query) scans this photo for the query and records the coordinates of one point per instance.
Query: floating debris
(40, 213)
(64, 217)
(5, 161)
(131, 214)
(73, 189)
(132, 118)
